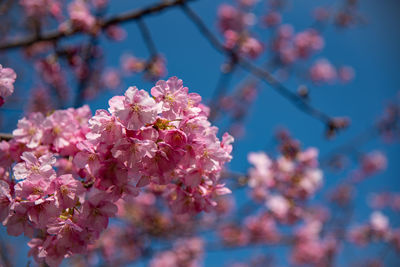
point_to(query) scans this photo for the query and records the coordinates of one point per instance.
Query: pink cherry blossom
(30, 130)
(172, 95)
(67, 191)
(379, 222)
(97, 209)
(278, 205)
(80, 15)
(5, 200)
(135, 110)
(34, 168)
(373, 162)
(7, 79)
(131, 151)
(323, 71)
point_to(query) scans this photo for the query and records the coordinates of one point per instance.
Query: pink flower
(279, 205)
(40, 101)
(35, 168)
(32, 190)
(251, 47)
(115, 33)
(104, 128)
(185, 252)
(80, 16)
(262, 229)
(41, 7)
(30, 130)
(360, 235)
(322, 71)
(135, 110)
(163, 162)
(261, 174)
(229, 18)
(61, 130)
(346, 74)
(211, 155)
(5, 200)
(67, 191)
(66, 237)
(42, 212)
(131, 151)
(373, 162)
(6, 158)
(97, 209)
(87, 157)
(156, 68)
(311, 181)
(111, 78)
(272, 19)
(172, 95)
(18, 221)
(99, 3)
(7, 79)
(175, 138)
(226, 142)
(308, 41)
(132, 64)
(379, 222)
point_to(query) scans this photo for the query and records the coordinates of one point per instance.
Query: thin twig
(5, 136)
(262, 74)
(87, 55)
(148, 40)
(102, 24)
(222, 87)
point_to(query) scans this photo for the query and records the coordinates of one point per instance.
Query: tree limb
(260, 73)
(102, 24)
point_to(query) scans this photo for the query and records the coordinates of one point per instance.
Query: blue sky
(372, 49)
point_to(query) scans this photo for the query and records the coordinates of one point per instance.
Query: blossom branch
(5, 136)
(102, 24)
(262, 74)
(145, 32)
(88, 57)
(222, 86)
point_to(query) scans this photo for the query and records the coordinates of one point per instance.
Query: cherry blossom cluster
(370, 164)
(291, 46)
(165, 140)
(142, 217)
(80, 16)
(285, 183)
(378, 229)
(7, 79)
(41, 8)
(185, 252)
(234, 23)
(72, 168)
(255, 229)
(50, 206)
(288, 48)
(309, 247)
(386, 199)
(322, 71)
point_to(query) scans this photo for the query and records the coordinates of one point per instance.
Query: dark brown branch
(5, 136)
(260, 73)
(87, 56)
(120, 18)
(220, 90)
(145, 32)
